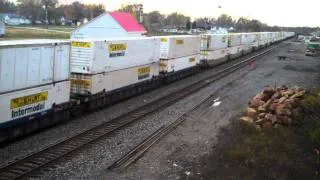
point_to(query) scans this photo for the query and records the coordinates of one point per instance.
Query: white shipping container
(179, 46)
(212, 42)
(29, 63)
(246, 49)
(234, 50)
(92, 84)
(91, 56)
(246, 38)
(213, 55)
(38, 100)
(234, 39)
(177, 64)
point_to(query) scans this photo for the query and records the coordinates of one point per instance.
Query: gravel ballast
(175, 155)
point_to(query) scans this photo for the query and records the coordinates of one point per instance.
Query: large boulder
(252, 113)
(246, 119)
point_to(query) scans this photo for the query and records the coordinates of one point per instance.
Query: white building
(112, 24)
(13, 19)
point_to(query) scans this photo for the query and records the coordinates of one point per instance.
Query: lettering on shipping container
(179, 41)
(15, 113)
(80, 82)
(117, 50)
(28, 104)
(193, 59)
(163, 64)
(117, 47)
(143, 72)
(27, 100)
(164, 40)
(81, 44)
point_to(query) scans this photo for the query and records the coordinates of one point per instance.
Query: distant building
(112, 24)
(13, 19)
(2, 28)
(216, 30)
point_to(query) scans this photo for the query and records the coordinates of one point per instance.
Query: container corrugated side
(25, 66)
(212, 42)
(86, 84)
(213, 55)
(234, 50)
(31, 101)
(61, 63)
(234, 39)
(177, 64)
(96, 56)
(246, 38)
(179, 46)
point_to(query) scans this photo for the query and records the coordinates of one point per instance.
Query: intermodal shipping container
(234, 39)
(235, 50)
(91, 56)
(246, 38)
(31, 63)
(211, 42)
(179, 46)
(32, 102)
(213, 55)
(177, 64)
(90, 84)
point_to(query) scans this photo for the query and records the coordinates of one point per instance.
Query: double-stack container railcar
(105, 71)
(214, 49)
(43, 82)
(179, 56)
(34, 85)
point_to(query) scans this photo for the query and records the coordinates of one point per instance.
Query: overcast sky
(272, 12)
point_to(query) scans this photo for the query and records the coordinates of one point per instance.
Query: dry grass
(15, 33)
(277, 153)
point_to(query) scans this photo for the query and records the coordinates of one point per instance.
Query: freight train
(45, 82)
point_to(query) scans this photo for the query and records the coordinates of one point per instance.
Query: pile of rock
(273, 106)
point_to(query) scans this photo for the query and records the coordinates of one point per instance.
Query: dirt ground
(192, 149)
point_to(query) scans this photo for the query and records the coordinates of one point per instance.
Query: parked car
(313, 49)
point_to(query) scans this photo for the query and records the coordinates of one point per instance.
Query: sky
(272, 12)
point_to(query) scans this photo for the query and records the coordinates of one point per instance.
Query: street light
(46, 11)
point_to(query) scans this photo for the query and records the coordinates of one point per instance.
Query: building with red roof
(109, 25)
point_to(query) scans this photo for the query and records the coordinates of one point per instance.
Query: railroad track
(36, 164)
(137, 152)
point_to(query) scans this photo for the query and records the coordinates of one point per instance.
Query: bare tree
(30, 8)
(7, 6)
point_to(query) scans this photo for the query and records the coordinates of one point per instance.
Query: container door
(7, 69)
(34, 66)
(21, 68)
(61, 63)
(46, 65)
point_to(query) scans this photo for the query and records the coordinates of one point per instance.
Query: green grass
(21, 33)
(50, 27)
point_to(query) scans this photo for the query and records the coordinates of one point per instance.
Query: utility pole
(45, 7)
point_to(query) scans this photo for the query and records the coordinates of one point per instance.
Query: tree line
(36, 10)
(153, 21)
